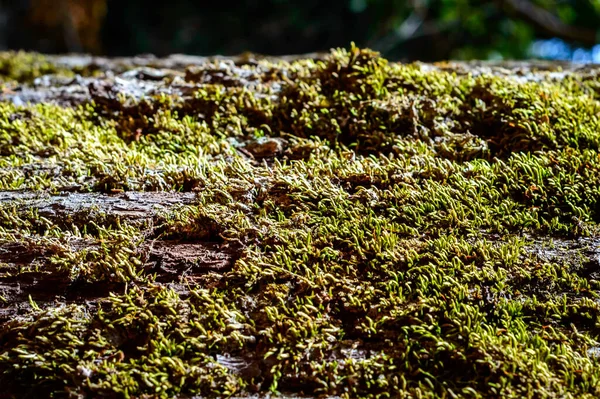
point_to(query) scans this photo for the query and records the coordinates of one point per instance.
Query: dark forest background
(403, 30)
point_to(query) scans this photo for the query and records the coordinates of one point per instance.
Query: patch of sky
(557, 49)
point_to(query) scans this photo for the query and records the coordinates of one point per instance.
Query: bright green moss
(406, 235)
(25, 67)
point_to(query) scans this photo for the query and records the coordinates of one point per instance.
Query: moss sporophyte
(336, 226)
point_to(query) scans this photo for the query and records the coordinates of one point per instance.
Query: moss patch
(344, 226)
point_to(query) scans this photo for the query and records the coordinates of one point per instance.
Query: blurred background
(426, 30)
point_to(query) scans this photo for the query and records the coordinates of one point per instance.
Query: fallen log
(320, 225)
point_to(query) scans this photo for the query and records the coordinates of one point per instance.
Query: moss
(394, 222)
(25, 67)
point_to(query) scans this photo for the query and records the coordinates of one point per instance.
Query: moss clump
(387, 230)
(25, 67)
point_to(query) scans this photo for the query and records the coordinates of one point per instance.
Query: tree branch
(549, 23)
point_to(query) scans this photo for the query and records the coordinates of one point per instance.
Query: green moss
(25, 67)
(394, 244)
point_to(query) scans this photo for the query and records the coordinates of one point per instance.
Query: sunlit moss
(392, 240)
(25, 67)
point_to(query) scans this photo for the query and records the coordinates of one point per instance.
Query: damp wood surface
(324, 225)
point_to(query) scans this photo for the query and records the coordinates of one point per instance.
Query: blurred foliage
(406, 30)
(80, 21)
